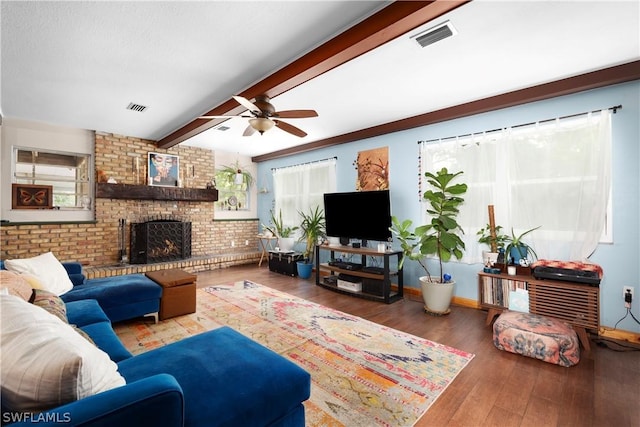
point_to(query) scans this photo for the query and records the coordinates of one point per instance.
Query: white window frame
(43, 137)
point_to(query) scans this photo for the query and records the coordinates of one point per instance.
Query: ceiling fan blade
(249, 131)
(223, 117)
(246, 103)
(290, 128)
(296, 114)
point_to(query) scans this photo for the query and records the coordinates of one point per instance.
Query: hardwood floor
(497, 388)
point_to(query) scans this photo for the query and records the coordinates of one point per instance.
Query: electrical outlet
(233, 244)
(246, 243)
(625, 289)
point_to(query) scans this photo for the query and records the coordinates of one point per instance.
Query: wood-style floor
(496, 388)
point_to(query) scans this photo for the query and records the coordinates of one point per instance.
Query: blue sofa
(217, 378)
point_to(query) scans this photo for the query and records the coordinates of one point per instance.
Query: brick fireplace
(160, 240)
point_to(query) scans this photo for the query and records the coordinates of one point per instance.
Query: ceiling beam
(592, 80)
(385, 25)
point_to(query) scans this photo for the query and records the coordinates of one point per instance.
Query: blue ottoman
(228, 380)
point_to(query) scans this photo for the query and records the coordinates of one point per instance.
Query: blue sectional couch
(217, 378)
(121, 297)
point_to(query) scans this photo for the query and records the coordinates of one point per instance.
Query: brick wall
(96, 244)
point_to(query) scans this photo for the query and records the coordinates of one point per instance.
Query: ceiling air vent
(136, 107)
(435, 34)
(223, 128)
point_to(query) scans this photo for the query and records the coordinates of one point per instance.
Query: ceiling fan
(264, 116)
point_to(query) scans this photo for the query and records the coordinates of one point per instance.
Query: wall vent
(435, 34)
(136, 107)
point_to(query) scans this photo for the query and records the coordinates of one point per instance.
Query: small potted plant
(312, 228)
(282, 232)
(439, 237)
(495, 241)
(518, 250)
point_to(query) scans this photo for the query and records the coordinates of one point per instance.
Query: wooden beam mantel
(149, 192)
(394, 20)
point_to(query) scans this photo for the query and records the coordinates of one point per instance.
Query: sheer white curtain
(301, 187)
(554, 174)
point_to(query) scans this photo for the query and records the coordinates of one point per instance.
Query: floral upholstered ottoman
(536, 336)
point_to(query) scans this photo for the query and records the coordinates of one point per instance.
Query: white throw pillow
(45, 363)
(46, 268)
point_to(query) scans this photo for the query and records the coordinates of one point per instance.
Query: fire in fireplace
(160, 240)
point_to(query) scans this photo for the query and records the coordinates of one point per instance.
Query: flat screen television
(364, 215)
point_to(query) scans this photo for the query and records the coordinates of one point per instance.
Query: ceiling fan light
(261, 124)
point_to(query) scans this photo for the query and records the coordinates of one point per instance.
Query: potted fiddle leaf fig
(312, 229)
(440, 238)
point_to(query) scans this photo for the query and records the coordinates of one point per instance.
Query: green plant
(515, 242)
(439, 237)
(500, 240)
(278, 228)
(228, 174)
(313, 228)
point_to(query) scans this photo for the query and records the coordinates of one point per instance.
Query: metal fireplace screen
(160, 241)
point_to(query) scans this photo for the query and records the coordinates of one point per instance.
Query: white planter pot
(286, 244)
(437, 296)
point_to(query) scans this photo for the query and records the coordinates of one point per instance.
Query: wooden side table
(178, 292)
(266, 244)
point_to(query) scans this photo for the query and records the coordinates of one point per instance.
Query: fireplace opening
(160, 240)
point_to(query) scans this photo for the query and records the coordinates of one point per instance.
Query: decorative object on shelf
(85, 202)
(517, 250)
(439, 237)
(232, 201)
(163, 169)
(29, 196)
(373, 169)
(313, 230)
(102, 176)
(282, 232)
(136, 170)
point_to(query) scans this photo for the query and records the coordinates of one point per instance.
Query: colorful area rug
(363, 374)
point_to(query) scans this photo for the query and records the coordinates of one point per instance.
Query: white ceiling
(79, 64)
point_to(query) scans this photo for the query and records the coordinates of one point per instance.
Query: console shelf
(376, 287)
(577, 304)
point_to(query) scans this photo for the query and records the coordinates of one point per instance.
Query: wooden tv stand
(376, 287)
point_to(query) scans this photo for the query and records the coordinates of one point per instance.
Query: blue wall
(620, 260)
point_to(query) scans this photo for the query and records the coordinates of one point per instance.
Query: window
(553, 174)
(302, 187)
(68, 173)
(233, 193)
